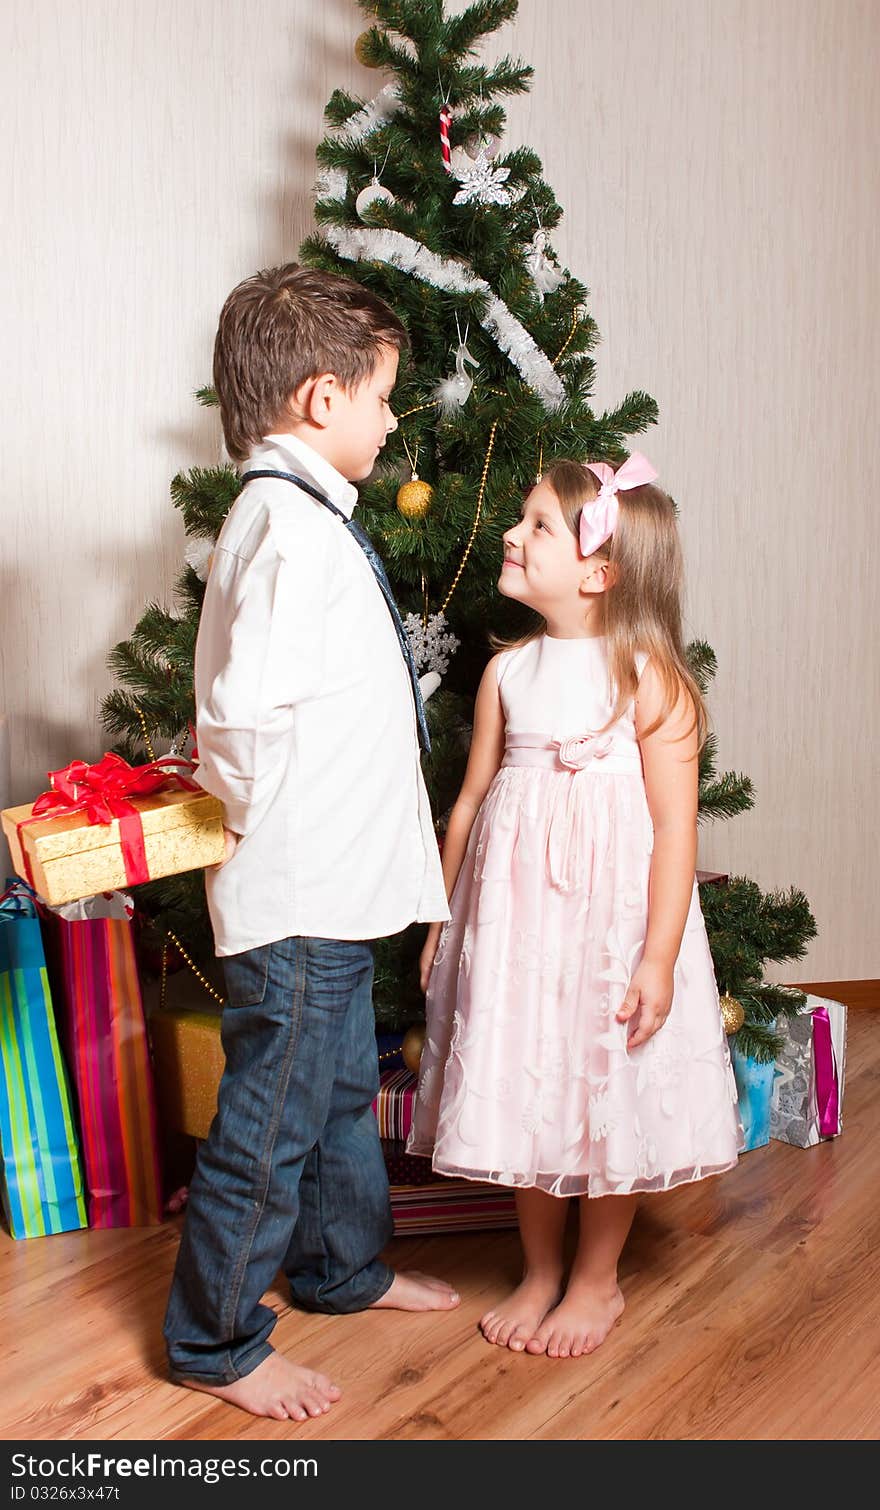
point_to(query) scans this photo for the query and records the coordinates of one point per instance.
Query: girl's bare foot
(276, 1388)
(410, 1290)
(516, 1319)
(581, 1321)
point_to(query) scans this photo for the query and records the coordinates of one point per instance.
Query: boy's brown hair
(283, 326)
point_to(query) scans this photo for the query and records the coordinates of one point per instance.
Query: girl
(574, 1040)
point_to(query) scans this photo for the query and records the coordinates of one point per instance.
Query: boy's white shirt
(305, 723)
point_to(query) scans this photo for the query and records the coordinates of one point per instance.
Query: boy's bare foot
(517, 1319)
(410, 1290)
(580, 1323)
(276, 1388)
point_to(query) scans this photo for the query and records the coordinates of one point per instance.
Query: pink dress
(526, 1078)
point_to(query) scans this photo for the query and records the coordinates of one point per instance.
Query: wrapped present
(97, 996)
(111, 825)
(445, 1205)
(422, 1201)
(754, 1084)
(188, 1062)
(807, 1102)
(394, 1104)
(404, 1168)
(40, 1171)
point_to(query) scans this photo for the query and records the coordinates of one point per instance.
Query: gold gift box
(188, 1061)
(72, 858)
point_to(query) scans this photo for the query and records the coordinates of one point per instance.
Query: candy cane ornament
(445, 120)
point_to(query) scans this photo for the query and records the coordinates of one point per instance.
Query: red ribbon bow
(103, 792)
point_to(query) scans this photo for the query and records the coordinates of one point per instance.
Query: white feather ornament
(454, 391)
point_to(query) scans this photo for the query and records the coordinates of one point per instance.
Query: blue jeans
(291, 1175)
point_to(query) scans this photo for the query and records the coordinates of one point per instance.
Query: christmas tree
(418, 199)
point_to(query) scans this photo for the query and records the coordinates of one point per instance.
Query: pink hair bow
(599, 518)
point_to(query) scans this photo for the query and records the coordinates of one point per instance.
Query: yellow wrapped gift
(111, 825)
(188, 1062)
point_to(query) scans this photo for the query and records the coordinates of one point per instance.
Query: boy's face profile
(365, 419)
(349, 426)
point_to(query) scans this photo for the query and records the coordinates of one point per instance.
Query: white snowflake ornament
(482, 183)
(432, 643)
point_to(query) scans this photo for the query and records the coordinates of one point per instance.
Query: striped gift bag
(40, 1171)
(101, 1018)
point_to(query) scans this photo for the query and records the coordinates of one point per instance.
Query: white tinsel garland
(379, 245)
(413, 257)
(332, 183)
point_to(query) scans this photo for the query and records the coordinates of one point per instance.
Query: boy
(308, 721)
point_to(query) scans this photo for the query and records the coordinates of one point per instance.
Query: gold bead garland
(150, 751)
(202, 979)
(416, 409)
(473, 534)
(568, 340)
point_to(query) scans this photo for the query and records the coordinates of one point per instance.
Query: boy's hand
(647, 1002)
(231, 842)
(429, 949)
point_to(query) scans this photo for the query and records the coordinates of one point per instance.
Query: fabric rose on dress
(577, 750)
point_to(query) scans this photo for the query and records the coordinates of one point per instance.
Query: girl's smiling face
(542, 565)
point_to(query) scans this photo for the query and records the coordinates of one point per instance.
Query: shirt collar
(289, 453)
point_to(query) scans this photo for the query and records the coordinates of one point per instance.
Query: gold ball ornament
(414, 498)
(362, 50)
(412, 1046)
(732, 1014)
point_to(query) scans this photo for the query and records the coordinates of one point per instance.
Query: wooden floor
(753, 1312)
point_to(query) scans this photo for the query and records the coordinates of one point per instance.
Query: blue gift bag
(40, 1175)
(754, 1084)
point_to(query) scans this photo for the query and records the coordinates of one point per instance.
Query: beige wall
(718, 164)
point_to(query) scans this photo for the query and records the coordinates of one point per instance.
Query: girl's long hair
(642, 604)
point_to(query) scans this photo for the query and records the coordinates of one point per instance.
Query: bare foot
(410, 1290)
(276, 1388)
(518, 1317)
(580, 1323)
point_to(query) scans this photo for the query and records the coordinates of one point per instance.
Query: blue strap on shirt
(381, 576)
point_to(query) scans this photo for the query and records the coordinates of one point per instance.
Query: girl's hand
(647, 1002)
(426, 958)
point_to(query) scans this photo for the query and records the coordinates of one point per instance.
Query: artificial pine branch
(479, 20)
(702, 662)
(419, 20)
(758, 1042)
(381, 52)
(728, 795)
(340, 107)
(204, 496)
